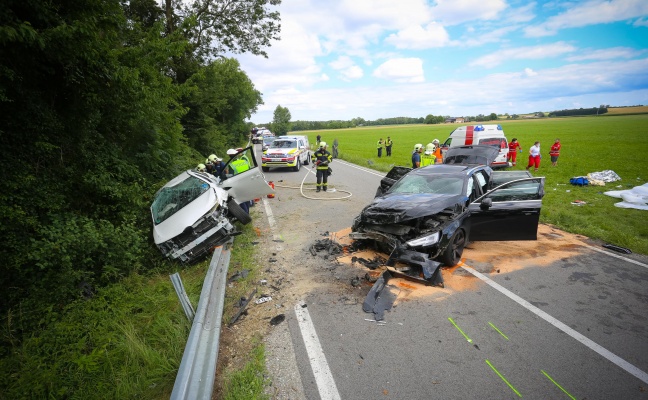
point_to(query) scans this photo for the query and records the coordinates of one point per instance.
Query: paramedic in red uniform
(514, 147)
(555, 152)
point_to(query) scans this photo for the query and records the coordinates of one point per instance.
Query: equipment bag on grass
(579, 181)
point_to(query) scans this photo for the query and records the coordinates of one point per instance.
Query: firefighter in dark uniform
(322, 160)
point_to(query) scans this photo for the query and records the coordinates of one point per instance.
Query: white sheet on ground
(637, 197)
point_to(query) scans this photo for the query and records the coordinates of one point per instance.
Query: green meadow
(589, 144)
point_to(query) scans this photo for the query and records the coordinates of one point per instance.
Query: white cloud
(606, 54)
(401, 70)
(523, 53)
(417, 37)
(455, 12)
(590, 13)
(529, 72)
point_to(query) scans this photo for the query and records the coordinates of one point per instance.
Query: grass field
(589, 144)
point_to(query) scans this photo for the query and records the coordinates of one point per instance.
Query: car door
(392, 176)
(509, 212)
(246, 185)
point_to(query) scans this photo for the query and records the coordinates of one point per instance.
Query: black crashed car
(426, 216)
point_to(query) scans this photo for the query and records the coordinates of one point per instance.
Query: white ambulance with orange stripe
(489, 135)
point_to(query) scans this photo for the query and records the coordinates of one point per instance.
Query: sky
(343, 59)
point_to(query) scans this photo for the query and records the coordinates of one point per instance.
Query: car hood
(286, 150)
(476, 154)
(397, 207)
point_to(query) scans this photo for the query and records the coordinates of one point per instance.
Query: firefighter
(322, 160)
(416, 155)
(427, 158)
(201, 168)
(437, 151)
(239, 165)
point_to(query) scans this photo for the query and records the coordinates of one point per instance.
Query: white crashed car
(195, 211)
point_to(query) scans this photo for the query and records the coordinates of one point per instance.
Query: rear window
(495, 142)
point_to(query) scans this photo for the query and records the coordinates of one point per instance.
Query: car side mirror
(486, 203)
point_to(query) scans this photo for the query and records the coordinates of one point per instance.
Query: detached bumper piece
(421, 268)
(381, 297)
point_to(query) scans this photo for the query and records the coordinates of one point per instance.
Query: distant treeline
(579, 111)
(339, 124)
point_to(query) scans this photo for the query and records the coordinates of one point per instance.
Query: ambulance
(287, 151)
(489, 135)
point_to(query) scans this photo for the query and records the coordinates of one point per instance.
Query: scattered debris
(381, 297)
(617, 248)
(263, 299)
(277, 319)
(355, 282)
(242, 274)
(272, 260)
(263, 282)
(578, 203)
(375, 263)
(327, 245)
(242, 307)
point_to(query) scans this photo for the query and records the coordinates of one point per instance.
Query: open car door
(509, 212)
(392, 176)
(244, 184)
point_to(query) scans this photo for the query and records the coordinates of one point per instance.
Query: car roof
(450, 169)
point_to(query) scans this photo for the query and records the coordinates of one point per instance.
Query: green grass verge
(126, 342)
(249, 382)
(590, 144)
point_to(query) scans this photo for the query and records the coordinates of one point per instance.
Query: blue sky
(342, 59)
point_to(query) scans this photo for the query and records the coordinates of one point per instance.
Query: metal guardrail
(197, 372)
(182, 295)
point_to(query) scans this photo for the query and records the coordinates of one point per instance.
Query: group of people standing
(387, 144)
(534, 153)
(428, 155)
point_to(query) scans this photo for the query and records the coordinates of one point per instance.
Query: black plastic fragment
(381, 297)
(277, 319)
(618, 249)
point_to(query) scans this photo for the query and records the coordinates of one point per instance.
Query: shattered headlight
(426, 240)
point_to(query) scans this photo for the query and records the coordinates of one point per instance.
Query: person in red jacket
(554, 152)
(514, 147)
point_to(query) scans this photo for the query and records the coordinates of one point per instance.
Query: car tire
(238, 212)
(297, 166)
(308, 159)
(452, 253)
(265, 169)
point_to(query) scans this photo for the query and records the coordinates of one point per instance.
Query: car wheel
(307, 160)
(452, 254)
(265, 169)
(297, 166)
(238, 212)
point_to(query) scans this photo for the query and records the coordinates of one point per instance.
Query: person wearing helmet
(214, 165)
(416, 155)
(201, 168)
(427, 158)
(437, 152)
(322, 160)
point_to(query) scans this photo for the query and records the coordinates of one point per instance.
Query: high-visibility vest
(427, 159)
(239, 166)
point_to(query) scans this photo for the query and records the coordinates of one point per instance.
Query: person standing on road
(427, 158)
(437, 152)
(322, 160)
(416, 155)
(380, 147)
(534, 156)
(335, 148)
(514, 147)
(554, 152)
(388, 146)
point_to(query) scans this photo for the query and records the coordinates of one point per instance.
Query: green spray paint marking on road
(500, 332)
(502, 377)
(559, 387)
(459, 329)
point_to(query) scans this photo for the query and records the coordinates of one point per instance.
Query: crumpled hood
(397, 207)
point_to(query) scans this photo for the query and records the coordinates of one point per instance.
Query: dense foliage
(579, 111)
(101, 102)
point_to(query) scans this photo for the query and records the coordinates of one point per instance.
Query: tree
(281, 121)
(492, 117)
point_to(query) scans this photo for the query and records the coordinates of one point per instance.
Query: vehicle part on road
(243, 307)
(277, 319)
(617, 248)
(262, 300)
(239, 275)
(381, 297)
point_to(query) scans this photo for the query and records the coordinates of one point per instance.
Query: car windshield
(171, 199)
(284, 144)
(268, 140)
(438, 184)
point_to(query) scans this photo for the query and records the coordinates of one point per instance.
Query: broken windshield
(451, 185)
(171, 199)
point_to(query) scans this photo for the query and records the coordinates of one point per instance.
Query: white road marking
(371, 171)
(273, 225)
(631, 369)
(616, 256)
(323, 376)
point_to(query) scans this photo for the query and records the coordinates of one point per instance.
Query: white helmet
(435, 141)
(231, 152)
(201, 168)
(322, 144)
(212, 158)
(417, 146)
(429, 147)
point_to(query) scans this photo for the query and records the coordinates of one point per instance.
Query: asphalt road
(567, 325)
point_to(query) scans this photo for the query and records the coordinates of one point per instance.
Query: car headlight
(426, 240)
